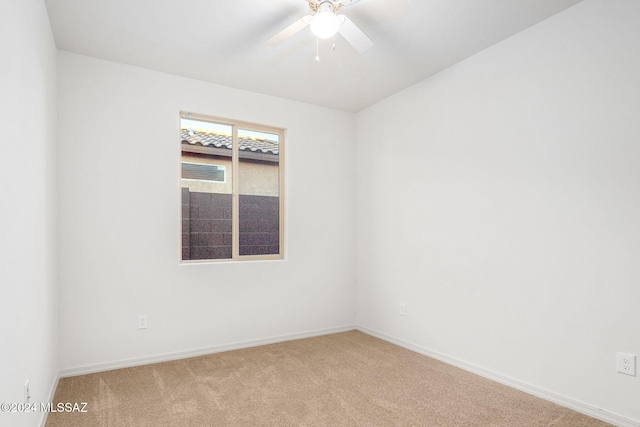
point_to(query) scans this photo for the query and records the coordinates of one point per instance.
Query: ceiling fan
(326, 23)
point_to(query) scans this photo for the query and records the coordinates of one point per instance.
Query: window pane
(206, 190)
(259, 192)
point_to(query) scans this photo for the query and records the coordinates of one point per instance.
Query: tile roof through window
(218, 140)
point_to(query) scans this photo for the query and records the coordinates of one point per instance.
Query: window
(232, 204)
(203, 172)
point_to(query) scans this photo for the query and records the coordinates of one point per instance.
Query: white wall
(28, 347)
(500, 200)
(120, 243)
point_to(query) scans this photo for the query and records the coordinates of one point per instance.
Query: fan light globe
(325, 24)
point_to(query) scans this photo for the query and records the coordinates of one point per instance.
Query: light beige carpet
(346, 379)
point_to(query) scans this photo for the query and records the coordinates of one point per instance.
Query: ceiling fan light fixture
(325, 23)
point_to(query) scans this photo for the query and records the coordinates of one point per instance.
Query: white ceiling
(222, 41)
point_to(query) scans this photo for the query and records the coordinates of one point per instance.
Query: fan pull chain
(317, 49)
(333, 47)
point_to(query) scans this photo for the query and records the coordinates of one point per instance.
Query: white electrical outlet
(27, 393)
(626, 363)
(403, 309)
(142, 321)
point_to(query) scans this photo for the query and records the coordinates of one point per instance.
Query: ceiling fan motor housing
(322, 5)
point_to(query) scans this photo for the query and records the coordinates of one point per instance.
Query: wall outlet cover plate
(626, 363)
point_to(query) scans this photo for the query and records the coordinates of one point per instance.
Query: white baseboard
(567, 402)
(165, 357)
(52, 392)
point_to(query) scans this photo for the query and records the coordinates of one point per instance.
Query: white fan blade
(289, 31)
(354, 36)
